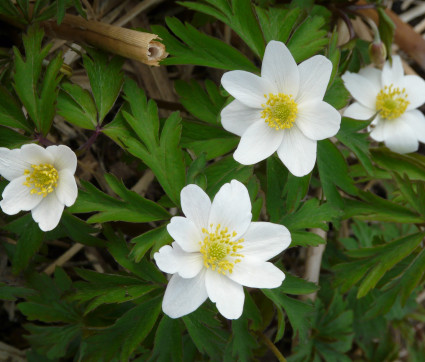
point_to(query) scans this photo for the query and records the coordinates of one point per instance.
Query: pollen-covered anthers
(391, 102)
(42, 179)
(219, 251)
(279, 111)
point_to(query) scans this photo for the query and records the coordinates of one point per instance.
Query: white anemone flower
(41, 180)
(283, 110)
(393, 97)
(217, 250)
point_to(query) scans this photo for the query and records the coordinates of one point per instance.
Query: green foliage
(160, 152)
(37, 92)
(199, 49)
(132, 207)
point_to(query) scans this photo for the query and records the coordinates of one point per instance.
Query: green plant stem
(272, 347)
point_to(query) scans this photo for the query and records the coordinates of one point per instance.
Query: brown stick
(125, 42)
(405, 36)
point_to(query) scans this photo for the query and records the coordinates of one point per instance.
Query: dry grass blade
(125, 42)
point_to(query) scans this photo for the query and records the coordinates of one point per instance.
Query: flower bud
(378, 53)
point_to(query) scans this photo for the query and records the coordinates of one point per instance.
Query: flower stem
(272, 347)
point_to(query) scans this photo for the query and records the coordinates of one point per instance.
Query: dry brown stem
(125, 42)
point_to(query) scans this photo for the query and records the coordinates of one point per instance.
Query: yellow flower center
(42, 179)
(279, 111)
(219, 251)
(391, 102)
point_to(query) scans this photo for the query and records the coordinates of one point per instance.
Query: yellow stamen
(219, 251)
(42, 180)
(280, 111)
(391, 102)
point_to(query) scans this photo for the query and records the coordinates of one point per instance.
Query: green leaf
(277, 23)
(28, 243)
(12, 139)
(168, 341)
(38, 94)
(308, 38)
(144, 242)
(239, 17)
(163, 154)
(76, 105)
(12, 293)
(333, 172)
(203, 105)
(379, 209)
(199, 49)
(310, 215)
(79, 231)
(107, 288)
(122, 338)
(11, 112)
(296, 310)
(356, 142)
(243, 342)
(106, 79)
(297, 286)
(304, 238)
(52, 341)
(223, 171)
(61, 7)
(206, 332)
(205, 138)
(337, 95)
(132, 207)
(386, 29)
(374, 263)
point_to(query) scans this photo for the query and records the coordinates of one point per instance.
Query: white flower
(395, 96)
(283, 110)
(41, 180)
(218, 249)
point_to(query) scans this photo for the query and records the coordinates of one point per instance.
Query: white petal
(256, 274)
(318, 120)
(393, 74)
(257, 143)
(399, 136)
(297, 152)
(35, 154)
(17, 197)
(362, 89)
(247, 88)
(372, 74)
(67, 190)
(11, 163)
(183, 296)
(314, 78)
(48, 212)
(225, 293)
(196, 205)
(416, 120)
(231, 208)
(357, 111)
(264, 240)
(185, 233)
(173, 259)
(377, 132)
(64, 158)
(279, 68)
(237, 117)
(415, 89)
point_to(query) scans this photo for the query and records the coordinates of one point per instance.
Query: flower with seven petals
(217, 250)
(393, 98)
(41, 180)
(283, 110)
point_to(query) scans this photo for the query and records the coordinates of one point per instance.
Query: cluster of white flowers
(217, 248)
(41, 180)
(391, 98)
